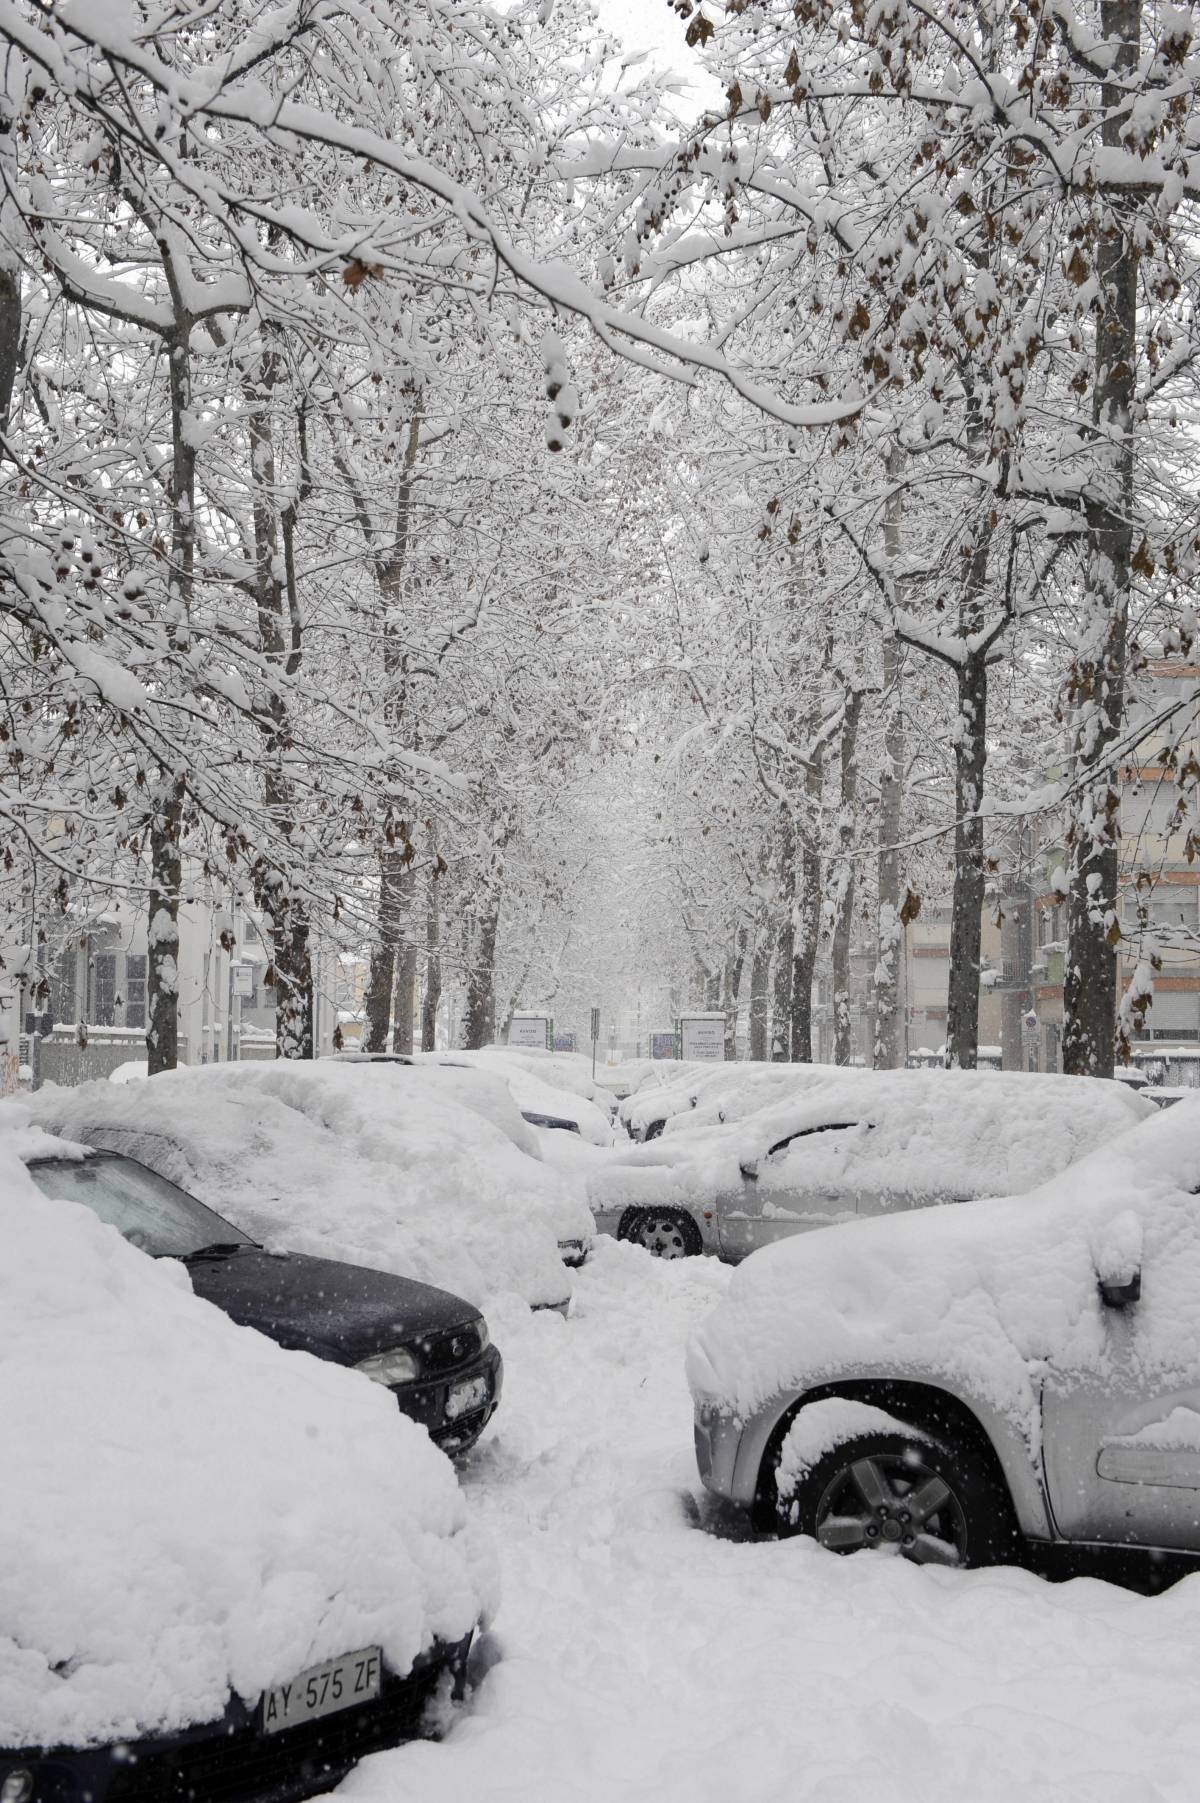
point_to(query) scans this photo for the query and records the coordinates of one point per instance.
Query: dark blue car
(431, 1349)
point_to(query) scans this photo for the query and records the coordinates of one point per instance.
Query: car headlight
(398, 1366)
(17, 1787)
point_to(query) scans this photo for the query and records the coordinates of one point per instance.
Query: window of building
(104, 989)
(135, 989)
(62, 986)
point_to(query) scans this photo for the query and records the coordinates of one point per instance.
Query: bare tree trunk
(431, 999)
(807, 938)
(479, 1026)
(381, 975)
(406, 967)
(387, 958)
(966, 909)
(731, 987)
(888, 1051)
(843, 899)
(166, 822)
(166, 875)
(1096, 686)
(276, 885)
(781, 1000)
(760, 976)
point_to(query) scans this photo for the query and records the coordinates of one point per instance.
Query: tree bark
(479, 1026)
(432, 996)
(781, 1004)
(166, 875)
(888, 1048)
(807, 915)
(276, 885)
(406, 967)
(966, 908)
(843, 896)
(381, 974)
(166, 821)
(1096, 685)
(760, 976)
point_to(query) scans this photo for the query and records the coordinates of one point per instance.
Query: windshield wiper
(218, 1249)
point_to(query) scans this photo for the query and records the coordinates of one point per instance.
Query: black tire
(930, 1502)
(664, 1232)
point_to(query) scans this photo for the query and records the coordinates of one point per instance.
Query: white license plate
(464, 1398)
(324, 1689)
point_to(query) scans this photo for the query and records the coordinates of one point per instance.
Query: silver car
(855, 1145)
(949, 1385)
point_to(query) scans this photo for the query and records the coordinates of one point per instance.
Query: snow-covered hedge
(185, 1508)
(381, 1165)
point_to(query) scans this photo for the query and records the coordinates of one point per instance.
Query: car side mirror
(750, 1168)
(1119, 1292)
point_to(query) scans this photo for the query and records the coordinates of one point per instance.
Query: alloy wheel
(893, 1502)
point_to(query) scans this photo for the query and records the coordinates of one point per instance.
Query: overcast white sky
(652, 25)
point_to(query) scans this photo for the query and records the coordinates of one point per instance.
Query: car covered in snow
(432, 1350)
(404, 1171)
(950, 1384)
(849, 1145)
(227, 1570)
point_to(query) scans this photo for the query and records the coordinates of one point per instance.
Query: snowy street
(644, 1658)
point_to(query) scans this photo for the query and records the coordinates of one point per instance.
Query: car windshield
(150, 1212)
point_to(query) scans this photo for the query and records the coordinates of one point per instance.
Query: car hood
(983, 1296)
(336, 1311)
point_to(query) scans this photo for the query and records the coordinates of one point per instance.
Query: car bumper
(720, 1455)
(232, 1761)
(429, 1402)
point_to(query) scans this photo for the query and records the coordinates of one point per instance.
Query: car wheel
(899, 1494)
(665, 1232)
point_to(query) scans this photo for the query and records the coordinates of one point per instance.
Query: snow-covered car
(226, 1570)
(852, 1144)
(432, 1350)
(698, 1095)
(947, 1384)
(514, 1103)
(348, 1162)
(554, 1083)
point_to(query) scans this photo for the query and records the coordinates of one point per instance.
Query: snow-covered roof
(187, 1508)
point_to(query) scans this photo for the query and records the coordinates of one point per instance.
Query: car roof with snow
(951, 1134)
(198, 1511)
(371, 1164)
(979, 1295)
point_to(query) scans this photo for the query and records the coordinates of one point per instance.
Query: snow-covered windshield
(149, 1212)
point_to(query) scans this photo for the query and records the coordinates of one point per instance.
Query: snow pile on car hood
(705, 1094)
(531, 1090)
(571, 1071)
(382, 1165)
(981, 1295)
(934, 1134)
(188, 1510)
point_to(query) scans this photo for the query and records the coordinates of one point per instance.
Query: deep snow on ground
(643, 1657)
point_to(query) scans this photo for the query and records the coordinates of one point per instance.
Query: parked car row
(947, 1383)
(955, 1384)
